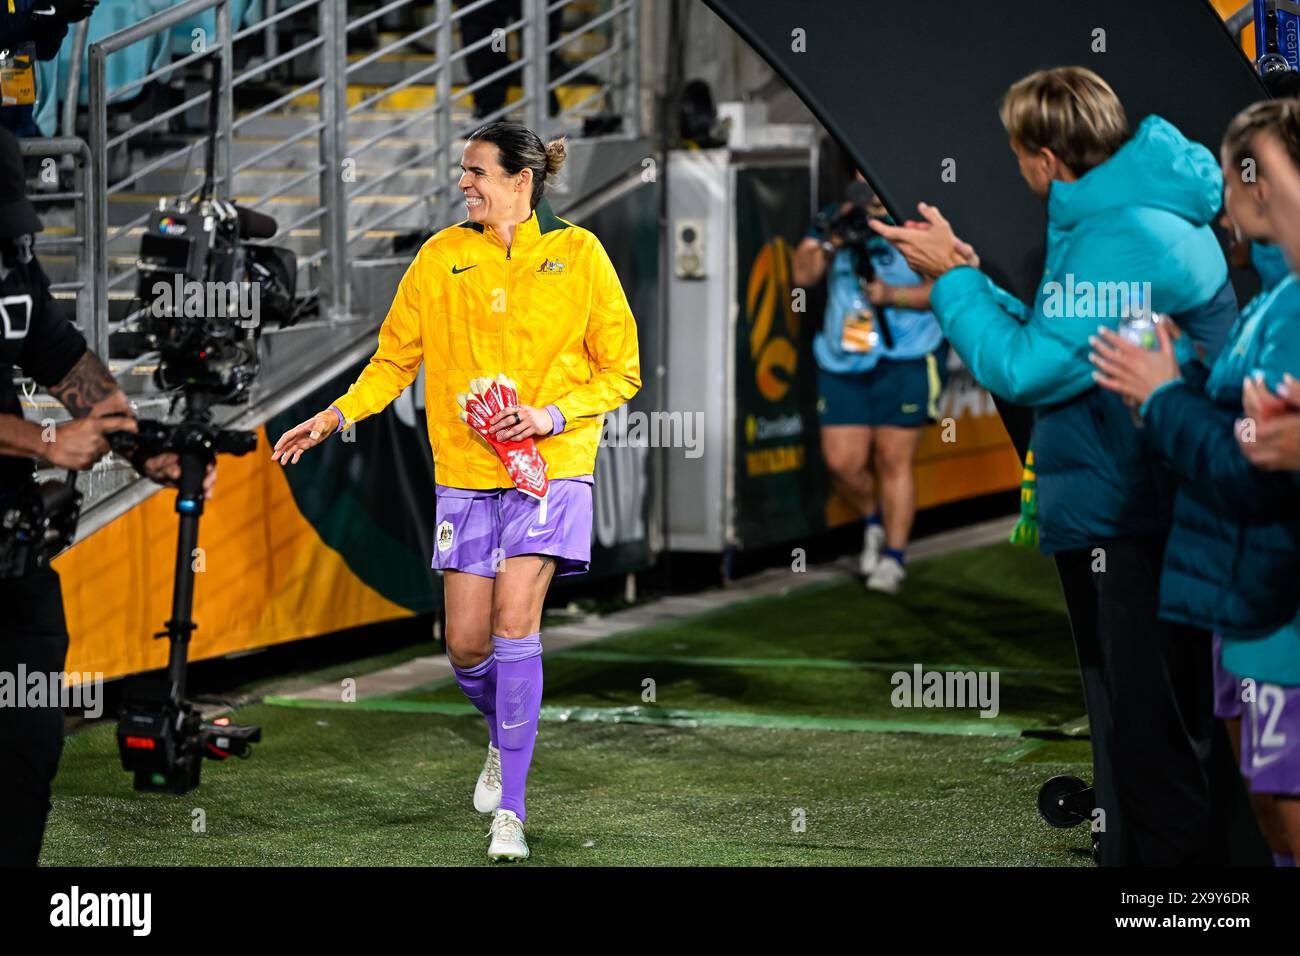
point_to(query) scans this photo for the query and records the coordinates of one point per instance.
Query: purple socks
(480, 685)
(1283, 859)
(518, 705)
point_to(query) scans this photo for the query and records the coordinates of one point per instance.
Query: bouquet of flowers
(524, 463)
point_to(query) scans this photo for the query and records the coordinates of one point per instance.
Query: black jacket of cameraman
(35, 336)
(33, 633)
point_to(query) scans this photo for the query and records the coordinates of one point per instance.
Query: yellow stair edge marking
(422, 96)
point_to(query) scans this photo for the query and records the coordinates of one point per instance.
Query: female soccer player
(512, 291)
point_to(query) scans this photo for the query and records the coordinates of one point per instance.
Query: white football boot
(873, 539)
(487, 792)
(887, 577)
(507, 835)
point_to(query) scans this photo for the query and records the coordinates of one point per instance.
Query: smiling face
(491, 195)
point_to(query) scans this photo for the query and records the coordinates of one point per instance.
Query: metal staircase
(348, 130)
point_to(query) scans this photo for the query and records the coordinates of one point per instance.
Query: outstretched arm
(1024, 361)
(394, 366)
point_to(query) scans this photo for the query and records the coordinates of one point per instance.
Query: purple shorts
(478, 529)
(1270, 740)
(1227, 686)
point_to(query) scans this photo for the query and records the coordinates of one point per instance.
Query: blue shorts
(478, 529)
(900, 393)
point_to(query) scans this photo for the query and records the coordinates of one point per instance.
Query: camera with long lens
(851, 224)
(37, 523)
(205, 294)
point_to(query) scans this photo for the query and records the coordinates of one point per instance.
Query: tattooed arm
(89, 389)
(97, 406)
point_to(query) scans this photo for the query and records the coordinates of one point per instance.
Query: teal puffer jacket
(1140, 221)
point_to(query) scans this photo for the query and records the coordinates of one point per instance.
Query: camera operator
(39, 339)
(881, 366)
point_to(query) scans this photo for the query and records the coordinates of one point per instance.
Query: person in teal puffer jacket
(1129, 221)
(1234, 551)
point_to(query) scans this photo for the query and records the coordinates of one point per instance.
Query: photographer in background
(881, 366)
(38, 338)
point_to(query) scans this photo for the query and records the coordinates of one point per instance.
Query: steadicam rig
(161, 737)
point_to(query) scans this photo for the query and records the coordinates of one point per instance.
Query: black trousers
(478, 24)
(1162, 769)
(32, 633)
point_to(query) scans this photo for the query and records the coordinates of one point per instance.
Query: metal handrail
(328, 128)
(275, 61)
(390, 90)
(152, 165)
(276, 104)
(384, 51)
(164, 70)
(587, 64)
(388, 133)
(1238, 21)
(269, 21)
(157, 118)
(315, 170)
(85, 186)
(386, 9)
(314, 214)
(366, 187)
(590, 25)
(392, 213)
(280, 147)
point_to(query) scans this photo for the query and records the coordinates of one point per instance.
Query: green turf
(372, 788)
(987, 610)
(379, 787)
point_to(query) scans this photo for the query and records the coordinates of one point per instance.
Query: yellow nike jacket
(550, 313)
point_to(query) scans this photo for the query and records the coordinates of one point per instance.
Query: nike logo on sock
(506, 726)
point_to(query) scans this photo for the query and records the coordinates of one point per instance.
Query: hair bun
(555, 156)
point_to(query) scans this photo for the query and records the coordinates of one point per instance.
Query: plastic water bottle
(1138, 325)
(861, 329)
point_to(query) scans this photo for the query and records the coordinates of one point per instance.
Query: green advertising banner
(780, 483)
